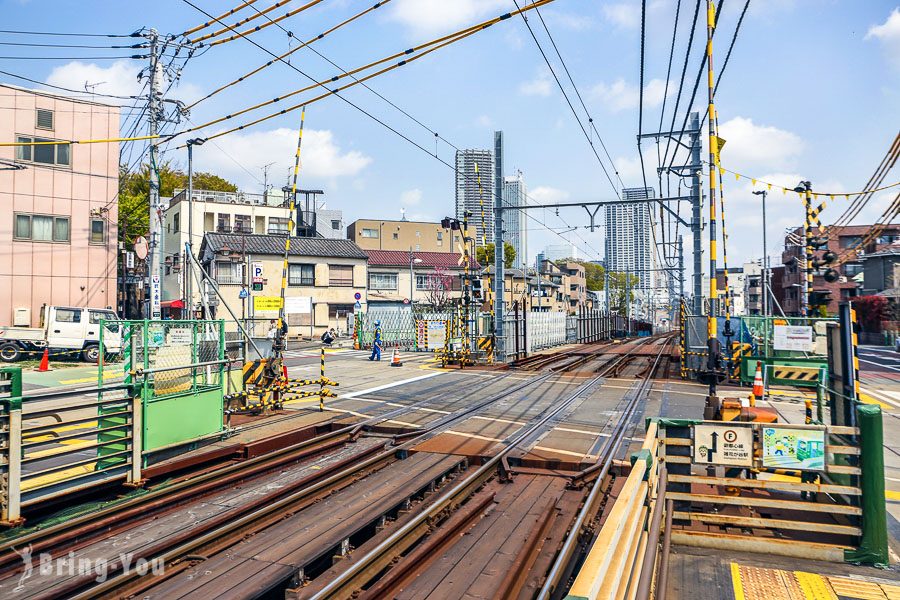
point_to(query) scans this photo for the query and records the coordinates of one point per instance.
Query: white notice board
(794, 337)
(723, 445)
(297, 305)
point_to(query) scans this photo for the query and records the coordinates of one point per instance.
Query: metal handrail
(209, 363)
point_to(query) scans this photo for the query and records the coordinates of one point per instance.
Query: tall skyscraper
(468, 195)
(629, 239)
(515, 221)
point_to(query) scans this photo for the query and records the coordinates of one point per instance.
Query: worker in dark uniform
(376, 343)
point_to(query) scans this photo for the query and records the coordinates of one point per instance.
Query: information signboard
(789, 448)
(437, 334)
(723, 445)
(793, 337)
(298, 305)
(266, 303)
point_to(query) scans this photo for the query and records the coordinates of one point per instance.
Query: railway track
(433, 555)
(341, 472)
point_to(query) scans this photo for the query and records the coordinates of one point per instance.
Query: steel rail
(563, 560)
(366, 567)
(238, 526)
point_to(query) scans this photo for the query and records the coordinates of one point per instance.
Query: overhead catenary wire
(289, 52)
(238, 34)
(559, 84)
(394, 130)
(448, 39)
(437, 136)
(591, 121)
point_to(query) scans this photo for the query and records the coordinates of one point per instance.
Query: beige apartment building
(58, 209)
(324, 275)
(420, 236)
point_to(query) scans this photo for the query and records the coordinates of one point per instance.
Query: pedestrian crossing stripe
(794, 373)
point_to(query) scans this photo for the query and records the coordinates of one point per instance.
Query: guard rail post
(873, 544)
(137, 439)
(12, 502)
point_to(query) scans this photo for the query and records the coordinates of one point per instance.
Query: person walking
(376, 343)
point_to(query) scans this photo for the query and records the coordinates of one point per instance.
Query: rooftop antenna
(402, 214)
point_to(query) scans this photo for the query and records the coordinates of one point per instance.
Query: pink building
(58, 205)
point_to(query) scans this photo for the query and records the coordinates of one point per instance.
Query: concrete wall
(418, 235)
(75, 273)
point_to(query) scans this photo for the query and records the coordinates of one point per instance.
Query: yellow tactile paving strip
(755, 583)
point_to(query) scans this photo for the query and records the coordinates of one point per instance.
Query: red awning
(172, 304)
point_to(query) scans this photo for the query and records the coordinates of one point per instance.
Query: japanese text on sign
(723, 445)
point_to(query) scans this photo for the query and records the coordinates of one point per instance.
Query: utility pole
(499, 341)
(265, 170)
(154, 310)
(765, 256)
(711, 409)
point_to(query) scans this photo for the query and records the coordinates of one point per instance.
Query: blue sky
(811, 92)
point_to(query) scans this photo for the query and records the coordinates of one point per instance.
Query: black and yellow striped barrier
(796, 373)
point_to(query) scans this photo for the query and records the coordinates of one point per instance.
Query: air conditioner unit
(22, 317)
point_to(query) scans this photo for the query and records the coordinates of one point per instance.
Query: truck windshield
(109, 318)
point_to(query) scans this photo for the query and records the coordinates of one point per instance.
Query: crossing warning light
(477, 290)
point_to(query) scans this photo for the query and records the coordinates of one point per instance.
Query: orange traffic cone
(758, 389)
(45, 361)
(395, 359)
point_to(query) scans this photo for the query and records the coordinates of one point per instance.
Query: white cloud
(119, 78)
(321, 157)
(541, 85)
(544, 194)
(427, 17)
(620, 95)
(627, 15)
(567, 20)
(484, 121)
(624, 14)
(888, 33)
(411, 197)
(629, 169)
(757, 145)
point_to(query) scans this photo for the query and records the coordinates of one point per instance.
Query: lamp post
(765, 258)
(412, 277)
(188, 299)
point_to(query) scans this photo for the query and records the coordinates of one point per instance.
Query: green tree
(485, 255)
(621, 294)
(134, 194)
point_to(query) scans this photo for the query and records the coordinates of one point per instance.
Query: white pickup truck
(63, 329)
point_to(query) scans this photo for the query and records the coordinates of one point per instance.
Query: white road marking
(390, 385)
(880, 395)
(871, 362)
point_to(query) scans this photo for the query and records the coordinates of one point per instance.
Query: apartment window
(44, 119)
(440, 235)
(369, 233)
(98, 231)
(396, 236)
(223, 225)
(335, 224)
(279, 225)
(847, 293)
(302, 275)
(432, 282)
(47, 154)
(852, 269)
(382, 281)
(847, 241)
(176, 222)
(754, 298)
(229, 273)
(42, 228)
(340, 275)
(242, 224)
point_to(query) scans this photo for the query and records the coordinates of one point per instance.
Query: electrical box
(22, 317)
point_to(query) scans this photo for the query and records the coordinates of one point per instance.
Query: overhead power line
(566, 96)
(222, 16)
(291, 51)
(133, 56)
(64, 89)
(448, 39)
(69, 34)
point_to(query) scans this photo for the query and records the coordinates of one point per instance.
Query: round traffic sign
(141, 247)
(406, 301)
(357, 296)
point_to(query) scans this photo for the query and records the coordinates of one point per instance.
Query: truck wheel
(10, 352)
(91, 354)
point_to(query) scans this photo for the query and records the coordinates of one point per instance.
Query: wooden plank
(787, 486)
(682, 460)
(676, 442)
(738, 521)
(836, 449)
(765, 503)
(844, 470)
(778, 547)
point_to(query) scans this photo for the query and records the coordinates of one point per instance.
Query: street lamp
(765, 265)
(189, 246)
(412, 278)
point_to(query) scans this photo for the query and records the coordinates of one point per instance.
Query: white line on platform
(390, 385)
(879, 396)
